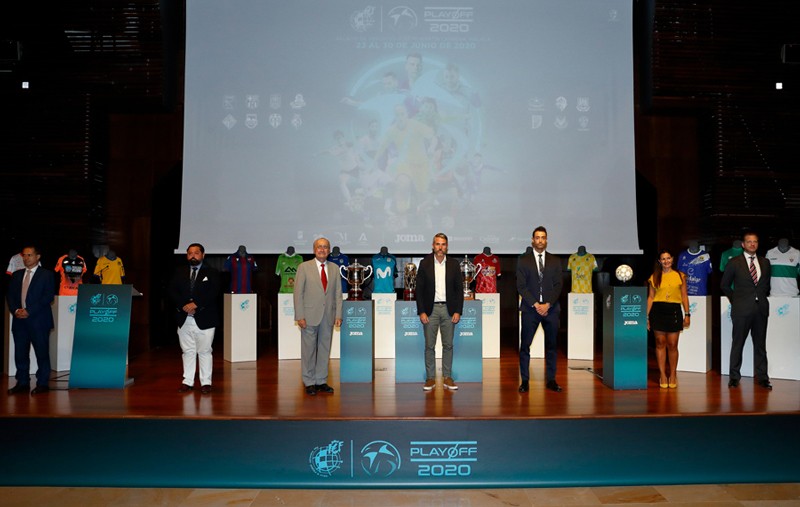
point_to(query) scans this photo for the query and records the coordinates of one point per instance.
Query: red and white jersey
(486, 281)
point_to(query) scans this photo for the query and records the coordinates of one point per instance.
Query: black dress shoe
(324, 388)
(19, 388)
(553, 386)
(734, 382)
(524, 387)
(206, 389)
(311, 390)
(184, 388)
(765, 384)
(40, 390)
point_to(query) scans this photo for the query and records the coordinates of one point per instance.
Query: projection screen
(379, 124)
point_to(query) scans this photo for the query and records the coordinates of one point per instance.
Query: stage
(259, 429)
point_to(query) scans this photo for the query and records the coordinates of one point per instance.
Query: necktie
(324, 277)
(26, 282)
(192, 279)
(753, 272)
(541, 276)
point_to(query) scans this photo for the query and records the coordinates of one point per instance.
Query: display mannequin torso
(785, 261)
(384, 266)
(486, 281)
(695, 263)
(582, 264)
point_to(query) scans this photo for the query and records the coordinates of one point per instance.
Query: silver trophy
(354, 274)
(410, 282)
(468, 273)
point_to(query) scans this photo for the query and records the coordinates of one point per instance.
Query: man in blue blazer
(29, 297)
(440, 303)
(746, 282)
(539, 284)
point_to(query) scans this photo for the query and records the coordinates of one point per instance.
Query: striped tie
(753, 272)
(541, 277)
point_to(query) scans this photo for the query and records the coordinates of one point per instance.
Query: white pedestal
(694, 344)
(580, 326)
(384, 325)
(537, 347)
(240, 314)
(491, 324)
(289, 333)
(783, 339)
(12, 366)
(63, 333)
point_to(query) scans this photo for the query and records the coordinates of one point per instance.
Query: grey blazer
(310, 302)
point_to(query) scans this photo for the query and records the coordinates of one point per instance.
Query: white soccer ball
(624, 273)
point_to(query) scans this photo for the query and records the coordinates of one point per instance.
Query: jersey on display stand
(785, 268)
(384, 267)
(582, 267)
(340, 260)
(241, 268)
(697, 267)
(727, 255)
(287, 270)
(486, 281)
(71, 267)
(110, 271)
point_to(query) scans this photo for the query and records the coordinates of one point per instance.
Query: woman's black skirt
(666, 317)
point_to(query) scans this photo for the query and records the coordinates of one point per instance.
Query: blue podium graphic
(410, 344)
(100, 346)
(625, 338)
(468, 344)
(357, 362)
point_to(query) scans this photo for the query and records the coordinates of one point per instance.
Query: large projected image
(380, 124)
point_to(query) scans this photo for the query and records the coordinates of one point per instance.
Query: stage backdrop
(380, 123)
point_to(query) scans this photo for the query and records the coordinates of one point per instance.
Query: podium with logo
(240, 317)
(357, 362)
(100, 346)
(694, 345)
(490, 309)
(384, 324)
(625, 338)
(410, 344)
(289, 332)
(580, 326)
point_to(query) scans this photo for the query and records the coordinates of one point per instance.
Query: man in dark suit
(317, 310)
(195, 292)
(440, 303)
(539, 284)
(30, 293)
(746, 282)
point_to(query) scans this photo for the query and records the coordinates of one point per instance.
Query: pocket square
(205, 278)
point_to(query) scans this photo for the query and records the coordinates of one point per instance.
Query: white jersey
(785, 268)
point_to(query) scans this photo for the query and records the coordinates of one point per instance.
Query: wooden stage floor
(269, 389)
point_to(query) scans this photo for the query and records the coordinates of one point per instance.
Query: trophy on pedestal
(468, 273)
(410, 282)
(354, 274)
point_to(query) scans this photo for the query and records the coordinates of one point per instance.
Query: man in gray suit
(317, 309)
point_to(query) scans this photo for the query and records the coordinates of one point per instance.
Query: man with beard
(195, 290)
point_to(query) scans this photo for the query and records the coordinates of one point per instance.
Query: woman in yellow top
(666, 293)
